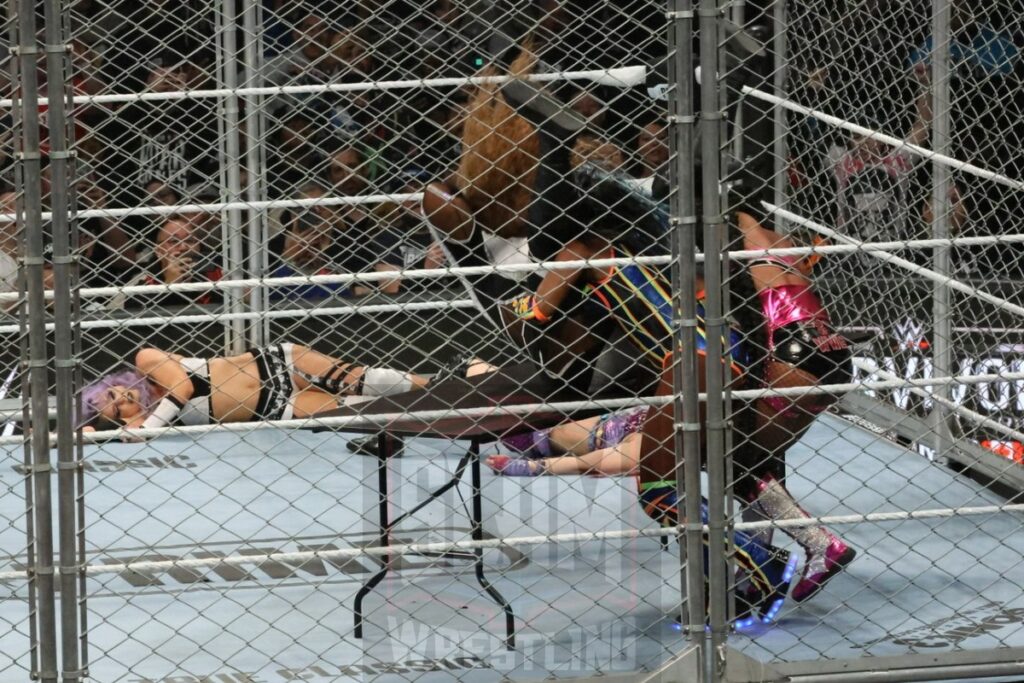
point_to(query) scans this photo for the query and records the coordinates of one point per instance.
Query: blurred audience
(878, 199)
(296, 153)
(306, 62)
(361, 246)
(174, 140)
(987, 75)
(651, 150)
(318, 241)
(302, 249)
(405, 227)
(105, 250)
(178, 257)
(868, 63)
(350, 173)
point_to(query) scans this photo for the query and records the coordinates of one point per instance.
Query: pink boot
(820, 567)
(827, 555)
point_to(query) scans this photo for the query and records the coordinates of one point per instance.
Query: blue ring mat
(581, 608)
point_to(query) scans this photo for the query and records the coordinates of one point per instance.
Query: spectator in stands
(849, 62)
(987, 61)
(445, 34)
(354, 115)
(305, 62)
(589, 105)
(350, 173)
(405, 226)
(302, 249)
(159, 192)
(178, 258)
(175, 140)
(87, 79)
(297, 153)
(207, 224)
(312, 244)
(651, 150)
(877, 198)
(142, 229)
(182, 30)
(98, 22)
(349, 58)
(106, 252)
(361, 246)
(87, 118)
(280, 217)
(426, 139)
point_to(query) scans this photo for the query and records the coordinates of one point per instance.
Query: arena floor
(580, 608)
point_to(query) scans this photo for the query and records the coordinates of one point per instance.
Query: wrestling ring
(269, 551)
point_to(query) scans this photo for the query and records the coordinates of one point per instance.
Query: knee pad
(384, 382)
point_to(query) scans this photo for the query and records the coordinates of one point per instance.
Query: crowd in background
(870, 62)
(866, 61)
(364, 141)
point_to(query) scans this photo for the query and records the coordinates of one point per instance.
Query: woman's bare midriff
(235, 383)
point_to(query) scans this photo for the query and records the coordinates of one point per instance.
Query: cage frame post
(942, 322)
(18, 139)
(64, 261)
(255, 160)
(39, 465)
(686, 406)
(711, 116)
(781, 132)
(231, 218)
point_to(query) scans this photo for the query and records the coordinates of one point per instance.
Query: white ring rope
(888, 139)
(434, 273)
(298, 558)
(622, 77)
(217, 207)
(382, 420)
(195, 318)
(871, 367)
(927, 273)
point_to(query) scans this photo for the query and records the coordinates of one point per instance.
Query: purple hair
(94, 396)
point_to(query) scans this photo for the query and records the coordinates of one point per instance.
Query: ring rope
(515, 541)
(622, 77)
(217, 207)
(888, 139)
(384, 419)
(927, 273)
(156, 321)
(434, 273)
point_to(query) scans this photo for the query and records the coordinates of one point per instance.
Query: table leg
(478, 535)
(384, 446)
(460, 470)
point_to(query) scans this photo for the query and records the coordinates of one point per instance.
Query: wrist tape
(165, 412)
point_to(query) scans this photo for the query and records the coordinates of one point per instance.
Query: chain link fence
(400, 340)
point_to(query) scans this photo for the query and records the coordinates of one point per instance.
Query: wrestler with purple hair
(277, 382)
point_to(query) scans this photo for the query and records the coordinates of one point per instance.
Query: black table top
(508, 387)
